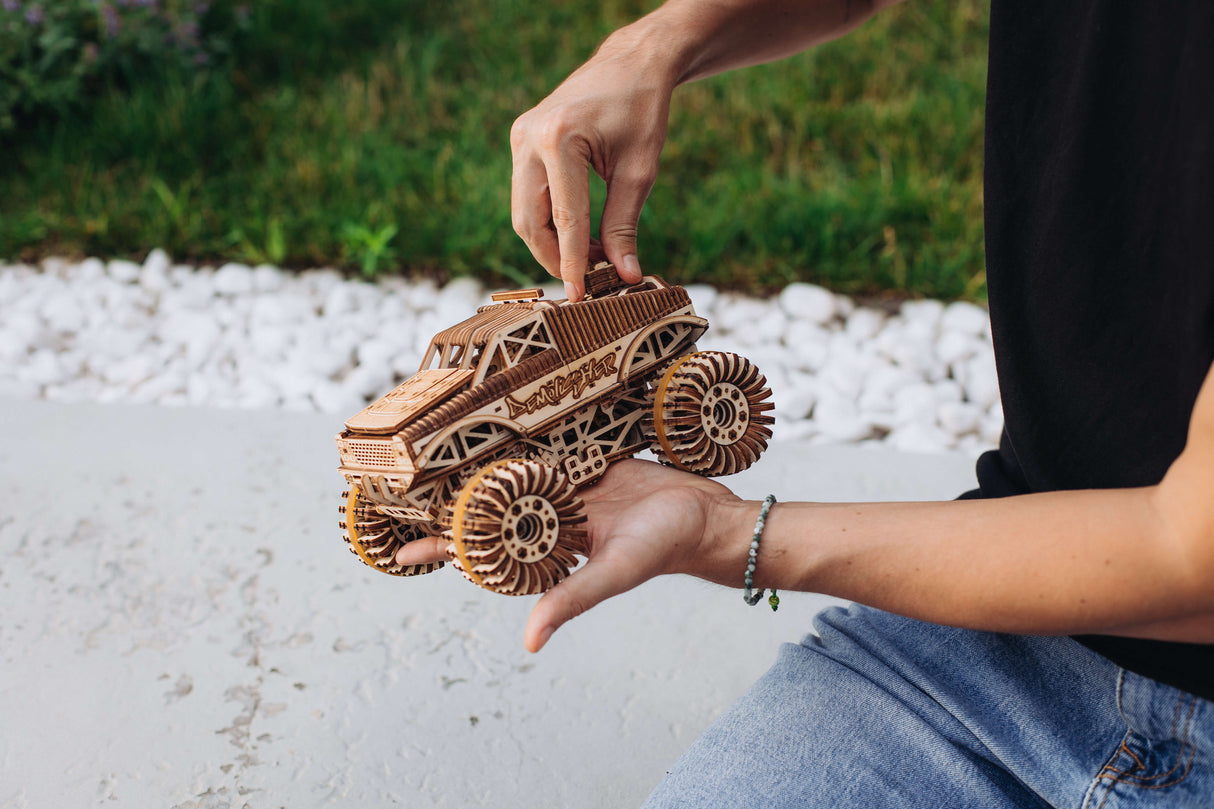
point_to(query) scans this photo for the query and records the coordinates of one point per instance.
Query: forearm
(1056, 563)
(687, 40)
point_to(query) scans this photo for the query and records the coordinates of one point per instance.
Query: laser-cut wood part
(517, 295)
(710, 414)
(602, 278)
(513, 527)
(375, 537)
(525, 402)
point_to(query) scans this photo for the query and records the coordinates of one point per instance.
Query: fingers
(550, 197)
(626, 194)
(596, 581)
(424, 551)
(531, 213)
(569, 188)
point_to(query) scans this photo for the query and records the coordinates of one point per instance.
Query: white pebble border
(921, 379)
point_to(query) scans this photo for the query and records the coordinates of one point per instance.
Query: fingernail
(570, 291)
(632, 268)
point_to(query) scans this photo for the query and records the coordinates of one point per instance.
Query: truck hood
(411, 399)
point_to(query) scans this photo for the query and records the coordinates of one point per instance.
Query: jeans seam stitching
(1120, 776)
(1097, 781)
(1100, 776)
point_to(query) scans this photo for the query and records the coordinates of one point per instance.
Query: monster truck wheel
(375, 537)
(710, 414)
(513, 527)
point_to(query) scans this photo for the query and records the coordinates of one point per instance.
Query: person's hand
(610, 114)
(644, 520)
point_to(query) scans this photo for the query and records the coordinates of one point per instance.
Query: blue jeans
(882, 711)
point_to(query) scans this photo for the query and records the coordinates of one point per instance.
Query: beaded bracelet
(748, 594)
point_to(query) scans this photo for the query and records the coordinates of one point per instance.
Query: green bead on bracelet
(748, 593)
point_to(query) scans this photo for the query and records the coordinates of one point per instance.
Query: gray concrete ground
(182, 626)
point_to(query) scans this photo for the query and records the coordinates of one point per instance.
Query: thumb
(595, 582)
(626, 195)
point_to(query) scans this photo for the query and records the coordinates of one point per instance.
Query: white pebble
(924, 313)
(920, 438)
(328, 363)
(318, 282)
(844, 374)
(463, 294)
(915, 404)
(256, 393)
(129, 372)
(965, 318)
(339, 301)
(156, 388)
(393, 309)
(17, 388)
(864, 324)
(750, 322)
(63, 313)
(375, 353)
(844, 306)
(981, 381)
(991, 430)
(28, 328)
(958, 417)
(885, 379)
(123, 271)
(42, 368)
(293, 380)
(268, 341)
(808, 343)
(267, 278)
(13, 347)
(808, 302)
(424, 296)
(370, 381)
(233, 279)
(955, 346)
(795, 401)
(286, 307)
(838, 420)
(90, 271)
(331, 397)
(154, 274)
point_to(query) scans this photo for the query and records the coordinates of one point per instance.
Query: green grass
(376, 140)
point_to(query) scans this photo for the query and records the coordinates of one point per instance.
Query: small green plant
(368, 246)
(263, 242)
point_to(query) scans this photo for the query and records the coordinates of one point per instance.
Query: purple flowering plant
(54, 53)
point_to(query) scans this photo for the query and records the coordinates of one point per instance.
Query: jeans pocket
(1157, 753)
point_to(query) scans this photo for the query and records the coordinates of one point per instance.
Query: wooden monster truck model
(525, 402)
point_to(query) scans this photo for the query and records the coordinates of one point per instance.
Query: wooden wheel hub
(375, 537)
(512, 528)
(530, 528)
(724, 413)
(709, 413)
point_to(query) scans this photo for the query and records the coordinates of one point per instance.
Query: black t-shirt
(1099, 196)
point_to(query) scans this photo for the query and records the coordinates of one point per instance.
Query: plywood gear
(375, 537)
(514, 527)
(710, 414)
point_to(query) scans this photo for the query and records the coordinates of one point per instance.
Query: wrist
(666, 45)
(723, 551)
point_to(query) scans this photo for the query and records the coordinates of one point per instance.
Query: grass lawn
(373, 135)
